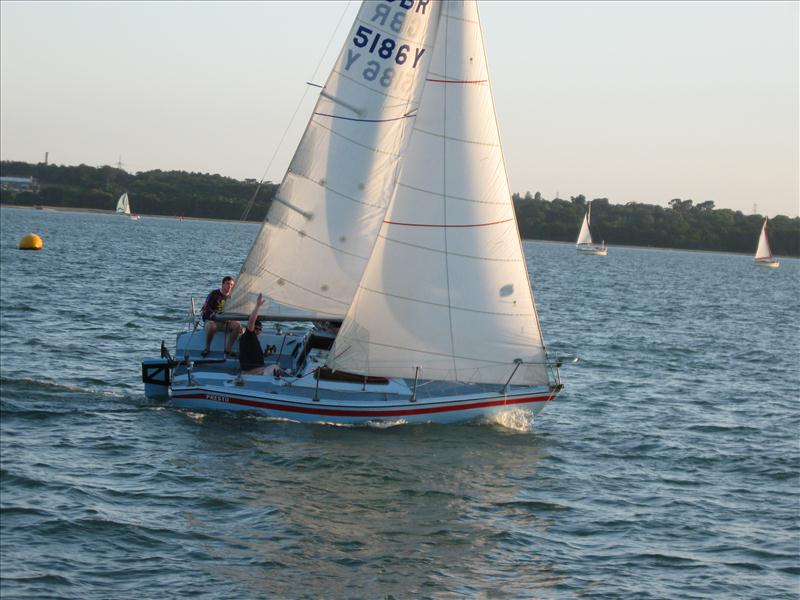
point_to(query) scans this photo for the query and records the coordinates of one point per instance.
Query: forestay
(446, 288)
(320, 229)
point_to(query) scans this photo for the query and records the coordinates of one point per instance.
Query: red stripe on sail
(458, 80)
(437, 225)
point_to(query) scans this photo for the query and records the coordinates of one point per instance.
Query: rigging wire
(252, 201)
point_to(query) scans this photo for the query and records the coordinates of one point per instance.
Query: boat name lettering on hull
(216, 398)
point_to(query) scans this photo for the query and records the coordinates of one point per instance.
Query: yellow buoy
(31, 242)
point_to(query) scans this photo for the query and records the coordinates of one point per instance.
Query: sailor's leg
(211, 329)
(234, 330)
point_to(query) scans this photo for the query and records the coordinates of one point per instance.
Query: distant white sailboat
(124, 207)
(763, 257)
(584, 243)
(394, 233)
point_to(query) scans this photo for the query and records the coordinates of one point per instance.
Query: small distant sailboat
(124, 207)
(763, 257)
(584, 244)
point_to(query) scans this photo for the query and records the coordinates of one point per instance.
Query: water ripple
(668, 468)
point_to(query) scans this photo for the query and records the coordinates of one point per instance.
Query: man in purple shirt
(214, 304)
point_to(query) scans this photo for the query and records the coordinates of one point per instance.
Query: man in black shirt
(251, 355)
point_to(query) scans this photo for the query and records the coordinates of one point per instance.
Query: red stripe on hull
(364, 413)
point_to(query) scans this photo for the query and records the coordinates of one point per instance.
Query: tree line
(169, 193)
(683, 224)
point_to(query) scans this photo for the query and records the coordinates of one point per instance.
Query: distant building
(19, 184)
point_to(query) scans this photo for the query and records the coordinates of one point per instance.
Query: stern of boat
(156, 377)
(157, 374)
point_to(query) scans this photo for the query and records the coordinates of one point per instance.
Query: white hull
(596, 250)
(452, 409)
(767, 262)
(215, 383)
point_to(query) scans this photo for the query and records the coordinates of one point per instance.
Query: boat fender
(31, 242)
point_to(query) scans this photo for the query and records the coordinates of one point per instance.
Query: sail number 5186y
(386, 47)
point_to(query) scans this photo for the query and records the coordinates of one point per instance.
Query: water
(667, 469)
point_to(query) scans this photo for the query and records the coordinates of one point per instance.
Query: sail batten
(451, 196)
(363, 120)
(328, 246)
(448, 306)
(454, 139)
(477, 361)
(464, 81)
(390, 240)
(390, 153)
(449, 224)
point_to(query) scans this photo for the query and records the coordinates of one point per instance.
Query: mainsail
(319, 232)
(123, 205)
(585, 236)
(446, 293)
(763, 250)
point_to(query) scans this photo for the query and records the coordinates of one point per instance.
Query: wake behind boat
(391, 244)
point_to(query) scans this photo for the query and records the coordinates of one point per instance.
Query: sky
(630, 101)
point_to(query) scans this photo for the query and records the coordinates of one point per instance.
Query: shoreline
(103, 211)
(177, 218)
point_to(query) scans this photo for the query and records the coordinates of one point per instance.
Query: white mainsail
(585, 236)
(446, 289)
(123, 205)
(319, 232)
(763, 251)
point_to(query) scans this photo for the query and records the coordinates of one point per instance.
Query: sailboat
(584, 242)
(397, 286)
(124, 207)
(763, 256)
